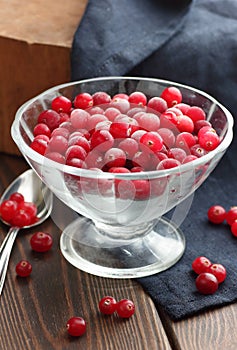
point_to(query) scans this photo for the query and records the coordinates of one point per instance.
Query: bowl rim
(42, 160)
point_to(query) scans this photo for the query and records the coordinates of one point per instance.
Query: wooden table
(34, 311)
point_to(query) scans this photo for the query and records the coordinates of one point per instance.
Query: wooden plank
(34, 311)
(214, 329)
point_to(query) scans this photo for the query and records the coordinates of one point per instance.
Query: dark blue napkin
(192, 42)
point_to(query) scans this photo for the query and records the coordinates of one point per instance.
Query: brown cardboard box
(35, 42)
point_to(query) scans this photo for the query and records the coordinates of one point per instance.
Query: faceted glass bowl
(113, 236)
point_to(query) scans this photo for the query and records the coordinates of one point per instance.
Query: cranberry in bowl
(122, 152)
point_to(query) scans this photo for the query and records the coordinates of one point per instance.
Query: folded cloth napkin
(194, 43)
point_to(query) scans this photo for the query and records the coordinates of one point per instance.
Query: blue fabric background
(196, 44)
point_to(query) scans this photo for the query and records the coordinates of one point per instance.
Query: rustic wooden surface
(34, 311)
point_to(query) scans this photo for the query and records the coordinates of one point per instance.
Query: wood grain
(34, 310)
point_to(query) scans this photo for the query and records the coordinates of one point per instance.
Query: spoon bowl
(33, 190)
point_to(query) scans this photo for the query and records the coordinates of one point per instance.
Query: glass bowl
(118, 233)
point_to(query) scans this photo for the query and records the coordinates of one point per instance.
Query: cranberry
(75, 152)
(233, 228)
(185, 140)
(142, 189)
(29, 208)
(168, 164)
(21, 219)
(100, 98)
(216, 214)
(120, 103)
(208, 140)
(76, 326)
(79, 118)
(102, 140)
(61, 104)
(206, 283)
(51, 118)
(8, 210)
(39, 145)
(125, 308)
(41, 241)
(152, 141)
(149, 121)
(169, 120)
(75, 162)
(111, 113)
(200, 124)
(120, 130)
(189, 158)
(196, 113)
(184, 107)
(231, 215)
(41, 129)
(138, 98)
(107, 305)
(115, 157)
(83, 101)
(201, 264)
(94, 120)
(158, 104)
(80, 141)
(58, 144)
(177, 153)
(23, 268)
(129, 146)
(185, 124)
(198, 151)
(17, 197)
(61, 132)
(167, 136)
(171, 95)
(142, 159)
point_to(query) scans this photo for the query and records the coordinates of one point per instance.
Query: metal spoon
(33, 190)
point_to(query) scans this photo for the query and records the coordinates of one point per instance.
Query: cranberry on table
(125, 308)
(76, 326)
(23, 268)
(107, 305)
(41, 241)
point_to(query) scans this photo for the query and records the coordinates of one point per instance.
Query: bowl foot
(83, 245)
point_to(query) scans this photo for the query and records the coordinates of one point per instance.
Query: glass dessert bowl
(120, 188)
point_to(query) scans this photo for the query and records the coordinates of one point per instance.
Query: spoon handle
(5, 252)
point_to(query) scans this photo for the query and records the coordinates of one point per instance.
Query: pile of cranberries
(217, 214)
(209, 275)
(124, 133)
(17, 212)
